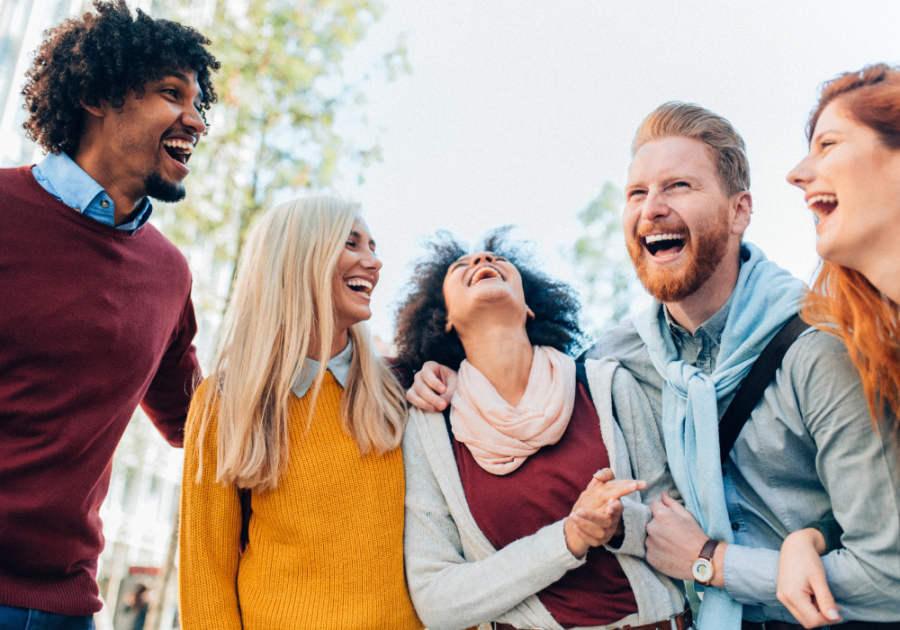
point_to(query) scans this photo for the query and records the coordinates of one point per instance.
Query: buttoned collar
(68, 182)
(339, 366)
(712, 328)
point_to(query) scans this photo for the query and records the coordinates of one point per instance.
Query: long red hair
(842, 301)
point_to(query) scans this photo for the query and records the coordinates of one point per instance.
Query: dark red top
(543, 491)
(93, 321)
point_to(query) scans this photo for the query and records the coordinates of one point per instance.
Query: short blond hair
(726, 147)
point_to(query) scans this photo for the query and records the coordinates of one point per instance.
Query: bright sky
(518, 110)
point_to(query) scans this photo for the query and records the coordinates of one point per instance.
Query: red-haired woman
(851, 178)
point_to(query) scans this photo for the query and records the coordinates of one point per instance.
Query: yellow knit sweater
(326, 546)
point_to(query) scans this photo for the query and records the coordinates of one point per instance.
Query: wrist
(718, 561)
(812, 537)
(576, 546)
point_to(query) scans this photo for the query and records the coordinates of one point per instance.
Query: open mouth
(361, 286)
(668, 244)
(822, 205)
(178, 150)
(485, 273)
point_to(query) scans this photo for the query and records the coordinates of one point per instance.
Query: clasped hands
(597, 515)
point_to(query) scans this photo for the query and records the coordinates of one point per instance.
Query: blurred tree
(277, 126)
(602, 264)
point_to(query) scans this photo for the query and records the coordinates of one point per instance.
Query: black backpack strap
(581, 377)
(755, 383)
(446, 413)
(245, 495)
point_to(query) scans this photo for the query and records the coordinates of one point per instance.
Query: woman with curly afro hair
(527, 469)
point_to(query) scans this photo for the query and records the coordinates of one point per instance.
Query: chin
(161, 189)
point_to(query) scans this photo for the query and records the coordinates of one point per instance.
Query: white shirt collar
(339, 366)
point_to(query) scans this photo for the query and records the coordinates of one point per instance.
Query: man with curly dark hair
(97, 316)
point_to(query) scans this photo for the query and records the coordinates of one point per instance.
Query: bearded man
(96, 313)
(808, 446)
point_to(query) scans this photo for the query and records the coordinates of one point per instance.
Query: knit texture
(326, 546)
(93, 322)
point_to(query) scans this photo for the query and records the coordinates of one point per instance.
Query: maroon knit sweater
(93, 322)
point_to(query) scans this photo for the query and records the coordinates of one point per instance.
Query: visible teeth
(359, 282)
(654, 238)
(483, 273)
(829, 199)
(185, 146)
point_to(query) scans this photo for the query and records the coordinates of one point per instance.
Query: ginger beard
(703, 250)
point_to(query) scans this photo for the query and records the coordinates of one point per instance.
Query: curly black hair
(422, 314)
(100, 57)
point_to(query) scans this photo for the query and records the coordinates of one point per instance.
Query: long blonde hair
(282, 299)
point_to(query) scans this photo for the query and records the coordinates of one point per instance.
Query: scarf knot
(501, 436)
(764, 298)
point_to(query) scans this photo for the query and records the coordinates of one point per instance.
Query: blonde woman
(300, 411)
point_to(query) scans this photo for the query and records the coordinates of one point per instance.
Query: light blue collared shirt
(64, 179)
(339, 366)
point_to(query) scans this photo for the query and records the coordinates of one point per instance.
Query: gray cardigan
(456, 577)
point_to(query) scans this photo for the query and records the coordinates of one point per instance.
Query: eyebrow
(175, 74)
(356, 234)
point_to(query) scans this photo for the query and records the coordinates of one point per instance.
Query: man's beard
(704, 253)
(163, 190)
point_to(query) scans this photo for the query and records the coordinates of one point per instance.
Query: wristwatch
(703, 569)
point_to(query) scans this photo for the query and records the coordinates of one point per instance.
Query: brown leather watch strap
(709, 549)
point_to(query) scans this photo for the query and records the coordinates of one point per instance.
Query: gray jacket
(456, 577)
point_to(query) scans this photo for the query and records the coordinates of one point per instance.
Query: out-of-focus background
(461, 116)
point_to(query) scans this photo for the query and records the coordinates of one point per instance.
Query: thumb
(674, 505)
(824, 599)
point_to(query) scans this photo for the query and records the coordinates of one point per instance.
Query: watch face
(702, 570)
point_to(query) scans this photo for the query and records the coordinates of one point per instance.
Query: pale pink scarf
(501, 437)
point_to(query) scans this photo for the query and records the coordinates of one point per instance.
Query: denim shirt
(64, 179)
(809, 446)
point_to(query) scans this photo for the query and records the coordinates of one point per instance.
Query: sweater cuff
(830, 530)
(635, 517)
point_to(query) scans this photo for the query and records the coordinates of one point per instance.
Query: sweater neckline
(46, 199)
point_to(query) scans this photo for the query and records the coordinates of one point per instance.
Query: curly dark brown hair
(422, 315)
(101, 57)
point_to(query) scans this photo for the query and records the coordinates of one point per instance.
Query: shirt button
(77, 208)
(104, 203)
(735, 526)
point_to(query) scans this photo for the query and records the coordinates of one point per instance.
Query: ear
(99, 110)
(742, 208)
(529, 312)
(449, 327)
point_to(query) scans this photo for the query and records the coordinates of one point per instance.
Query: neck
(883, 274)
(504, 355)
(338, 343)
(699, 306)
(125, 194)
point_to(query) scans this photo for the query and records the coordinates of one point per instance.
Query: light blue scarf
(764, 298)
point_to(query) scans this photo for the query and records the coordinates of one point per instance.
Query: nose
(193, 120)
(802, 174)
(654, 207)
(482, 257)
(370, 262)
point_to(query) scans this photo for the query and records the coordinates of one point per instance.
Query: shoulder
(818, 354)
(169, 255)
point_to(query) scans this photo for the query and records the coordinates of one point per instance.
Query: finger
(613, 509)
(824, 599)
(616, 489)
(604, 475)
(427, 394)
(587, 531)
(432, 378)
(674, 505)
(416, 401)
(657, 507)
(595, 517)
(805, 611)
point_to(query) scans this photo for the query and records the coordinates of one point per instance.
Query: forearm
(450, 592)
(635, 517)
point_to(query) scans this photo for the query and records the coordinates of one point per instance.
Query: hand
(802, 585)
(675, 539)
(433, 387)
(597, 515)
